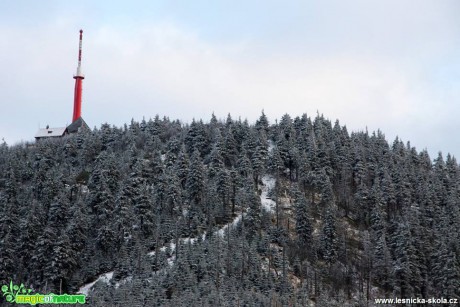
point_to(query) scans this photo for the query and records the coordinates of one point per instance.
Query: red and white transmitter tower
(78, 84)
(77, 121)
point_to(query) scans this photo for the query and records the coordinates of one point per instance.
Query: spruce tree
(303, 225)
(329, 239)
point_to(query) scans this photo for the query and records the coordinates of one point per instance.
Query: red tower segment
(78, 84)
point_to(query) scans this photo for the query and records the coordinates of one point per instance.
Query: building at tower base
(78, 125)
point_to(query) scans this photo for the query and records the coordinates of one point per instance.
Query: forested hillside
(229, 213)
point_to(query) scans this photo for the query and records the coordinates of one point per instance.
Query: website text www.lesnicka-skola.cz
(417, 300)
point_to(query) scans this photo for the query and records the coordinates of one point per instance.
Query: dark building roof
(77, 125)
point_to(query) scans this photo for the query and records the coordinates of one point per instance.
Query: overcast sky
(388, 65)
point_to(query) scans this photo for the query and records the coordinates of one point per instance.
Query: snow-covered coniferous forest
(300, 212)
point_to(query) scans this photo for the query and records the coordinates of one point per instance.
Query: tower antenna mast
(78, 84)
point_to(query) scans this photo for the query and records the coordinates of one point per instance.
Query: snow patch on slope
(171, 257)
(271, 146)
(123, 281)
(106, 277)
(267, 203)
(221, 232)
